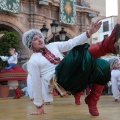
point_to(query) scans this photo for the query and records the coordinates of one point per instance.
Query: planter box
(4, 90)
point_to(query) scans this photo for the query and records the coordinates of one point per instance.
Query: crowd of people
(82, 68)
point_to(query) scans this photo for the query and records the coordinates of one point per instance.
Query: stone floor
(60, 109)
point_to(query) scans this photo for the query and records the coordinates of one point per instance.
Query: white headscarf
(111, 61)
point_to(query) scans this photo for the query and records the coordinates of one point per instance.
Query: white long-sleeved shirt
(115, 73)
(11, 59)
(41, 69)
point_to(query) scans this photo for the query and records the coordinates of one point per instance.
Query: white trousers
(12, 83)
(115, 91)
(25, 90)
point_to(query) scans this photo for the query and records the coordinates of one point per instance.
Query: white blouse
(115, 74)
(41, 69)
(11, 59)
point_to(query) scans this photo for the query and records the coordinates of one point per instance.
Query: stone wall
(34, 15)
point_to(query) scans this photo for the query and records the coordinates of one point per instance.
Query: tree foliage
(9, 40)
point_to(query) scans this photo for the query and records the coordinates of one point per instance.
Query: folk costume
(74, 72)
(12, 73)
(82, 66)
(29, 87)
(42, 66)
(115, 79)
(29, 81)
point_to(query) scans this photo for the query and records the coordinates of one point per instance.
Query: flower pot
(4, 90)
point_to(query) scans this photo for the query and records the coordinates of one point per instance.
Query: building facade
(101, 7)
(106, 28)
(118, 10)
(108, 24)
(34, 14)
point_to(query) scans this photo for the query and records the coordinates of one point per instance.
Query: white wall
(112, 21)
(99, 36)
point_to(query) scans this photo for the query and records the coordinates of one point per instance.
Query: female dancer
(115, 77)
(12, 73)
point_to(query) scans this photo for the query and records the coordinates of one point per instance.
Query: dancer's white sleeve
(4, 58)
(68, 45)
(34, 72)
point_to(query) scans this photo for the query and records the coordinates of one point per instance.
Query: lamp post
(44, 30)
(53, 25)
(62, 34)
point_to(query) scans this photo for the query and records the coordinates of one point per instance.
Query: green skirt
(79, 69)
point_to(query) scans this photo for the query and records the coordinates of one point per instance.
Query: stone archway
(11, 24)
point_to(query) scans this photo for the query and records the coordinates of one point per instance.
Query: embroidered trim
(48, 55)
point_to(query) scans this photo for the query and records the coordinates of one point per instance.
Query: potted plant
(4, 89)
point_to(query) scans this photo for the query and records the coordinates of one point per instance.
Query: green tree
(9, 40)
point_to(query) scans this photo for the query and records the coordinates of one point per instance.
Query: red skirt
(14, 73)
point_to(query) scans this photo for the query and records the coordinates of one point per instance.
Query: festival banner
(68, 12)
(10, 5)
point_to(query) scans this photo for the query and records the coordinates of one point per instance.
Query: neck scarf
(48, 55)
